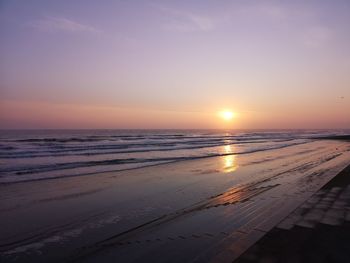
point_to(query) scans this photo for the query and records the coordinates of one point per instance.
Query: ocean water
(27, 155)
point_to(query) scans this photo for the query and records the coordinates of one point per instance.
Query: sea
(27, 155)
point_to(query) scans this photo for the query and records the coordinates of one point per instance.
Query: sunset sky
(174, 64)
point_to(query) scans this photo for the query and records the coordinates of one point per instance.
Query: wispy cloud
(273, 11)
(57, 24)
(189, 21)
(184, 21)
(317, 36)
(262, 11)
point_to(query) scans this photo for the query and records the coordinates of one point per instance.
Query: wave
(40, 169)
(31, 155)
(86, 149)
(98, 150)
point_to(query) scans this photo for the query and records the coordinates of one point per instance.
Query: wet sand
(211, 209)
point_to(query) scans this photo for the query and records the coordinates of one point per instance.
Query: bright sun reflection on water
(229, 161)
(228, 149)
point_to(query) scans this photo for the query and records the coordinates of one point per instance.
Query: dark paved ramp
(318, 231)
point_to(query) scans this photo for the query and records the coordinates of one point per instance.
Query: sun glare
(227, 115)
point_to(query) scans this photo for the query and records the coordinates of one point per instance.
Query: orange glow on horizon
(37, 114)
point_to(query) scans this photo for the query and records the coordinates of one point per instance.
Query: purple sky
(174, 64)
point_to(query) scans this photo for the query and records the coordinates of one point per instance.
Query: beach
(174, 131)
(197, 210)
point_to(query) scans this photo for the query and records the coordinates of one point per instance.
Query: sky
(174, 64)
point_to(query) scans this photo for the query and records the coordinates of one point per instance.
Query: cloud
(318, 36)
(272, 11)
(187, 21)
(263, 10)
(183, 21)
(61, 24)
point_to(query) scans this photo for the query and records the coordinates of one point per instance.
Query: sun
(227, 115)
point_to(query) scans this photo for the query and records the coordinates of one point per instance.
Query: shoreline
(182, 159)
(103, 159)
